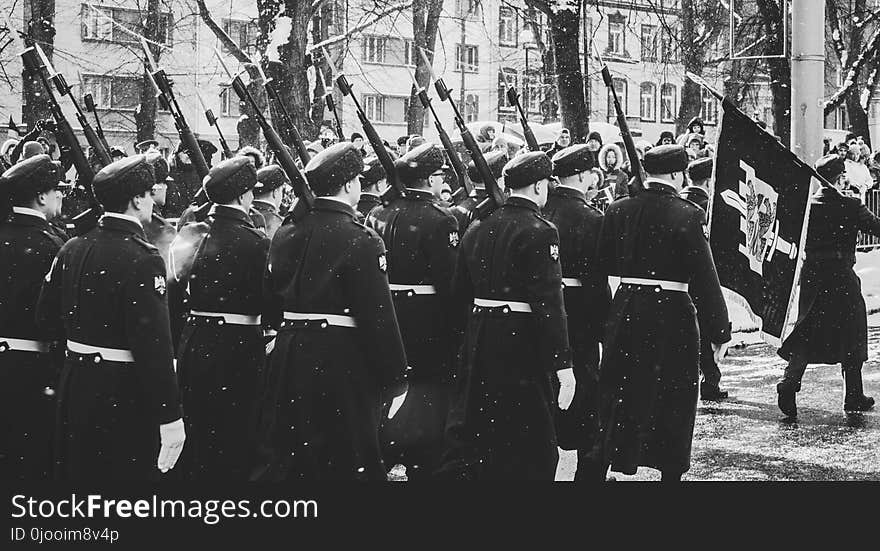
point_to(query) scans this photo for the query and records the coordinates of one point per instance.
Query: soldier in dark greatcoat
(700, 172)
(832, 321)
(587, 297)
(373, 184)
(658, 244)
(30, 196)
(338, 355)
(464, 211)
(421, 238)
(222, 352)
(508, 286)
(119, 406)
(268, 193)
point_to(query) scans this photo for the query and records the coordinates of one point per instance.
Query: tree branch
(868, 55)
(358, 28)
(218, 31)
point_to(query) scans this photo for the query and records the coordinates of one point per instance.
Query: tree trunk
(693, 58)
(39, 27)
(292, 78)
(425, 23)
(145, 116)
(565, 34)
(779, 69)
(858, 117)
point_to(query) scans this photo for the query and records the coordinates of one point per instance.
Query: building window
(229, 103)
(648, 102)
(669, 47)
(532, 82)
(620, 88)
(409, 53)
(374, 49)
(709, 112)
(467, 57)
(667, 103)
(842, 117)
(467, 8)
(113, 92)
(511, 75)
(507, 27)
(119, 25)
(649, 43)
(243, 33)
(616, 36)
(471, 108)
(374, 107)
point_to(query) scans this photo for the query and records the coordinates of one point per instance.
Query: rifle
(395, 187)
(496, 196)
(168, 102)
(293, 132)
(513, 99)
(212, 120)
(464, 184)
(638, 177)
(87, 219)
(91, 108)
(282, 155)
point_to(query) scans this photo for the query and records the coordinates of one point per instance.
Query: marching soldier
(268, 193)
(30, 196)
(658, 244)
(464, 211)
(422, 242)
(373, 184)
(509, 281)
(159, 231)
(587, 297)
(832, 322)
(338, 354)
(119, 407)
(700, 172)
(222, 349)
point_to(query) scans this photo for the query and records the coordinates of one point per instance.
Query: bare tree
(564, 19)
(145, 116)
(425, 23)
(39, 25)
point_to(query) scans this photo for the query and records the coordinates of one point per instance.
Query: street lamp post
(528, 41)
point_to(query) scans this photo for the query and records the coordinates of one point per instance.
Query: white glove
(395, 405)
(172, 436)
(719, 351)
(566, 388)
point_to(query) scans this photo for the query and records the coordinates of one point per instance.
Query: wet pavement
(747, 438)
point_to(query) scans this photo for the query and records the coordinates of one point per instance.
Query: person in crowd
(611, 162)
(594, 141)
(563, 140)
(666, 138)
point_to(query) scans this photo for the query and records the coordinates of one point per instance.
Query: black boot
(712, 393)
(854, 397)
(786, 400)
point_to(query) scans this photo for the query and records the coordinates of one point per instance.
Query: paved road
(746, 438)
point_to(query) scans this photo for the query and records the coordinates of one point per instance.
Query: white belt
(108, 354)
(23, 345)
(510, 305)
(413, 289)
(662, 283)
(331, 319)
(572, 282)
(234, 319)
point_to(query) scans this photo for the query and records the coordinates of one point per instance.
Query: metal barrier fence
(869, 242)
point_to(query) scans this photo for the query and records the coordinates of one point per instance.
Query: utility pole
(807, 78)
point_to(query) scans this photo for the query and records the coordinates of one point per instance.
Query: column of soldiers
(364, 335)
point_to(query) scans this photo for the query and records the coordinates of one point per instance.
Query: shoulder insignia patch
(706, 231)
(159, 285)
(453, 239)
(383, 263)
(554, 252)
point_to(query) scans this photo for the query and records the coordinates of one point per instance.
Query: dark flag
(759, 213)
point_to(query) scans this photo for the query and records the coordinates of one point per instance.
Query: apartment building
(97, 49)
